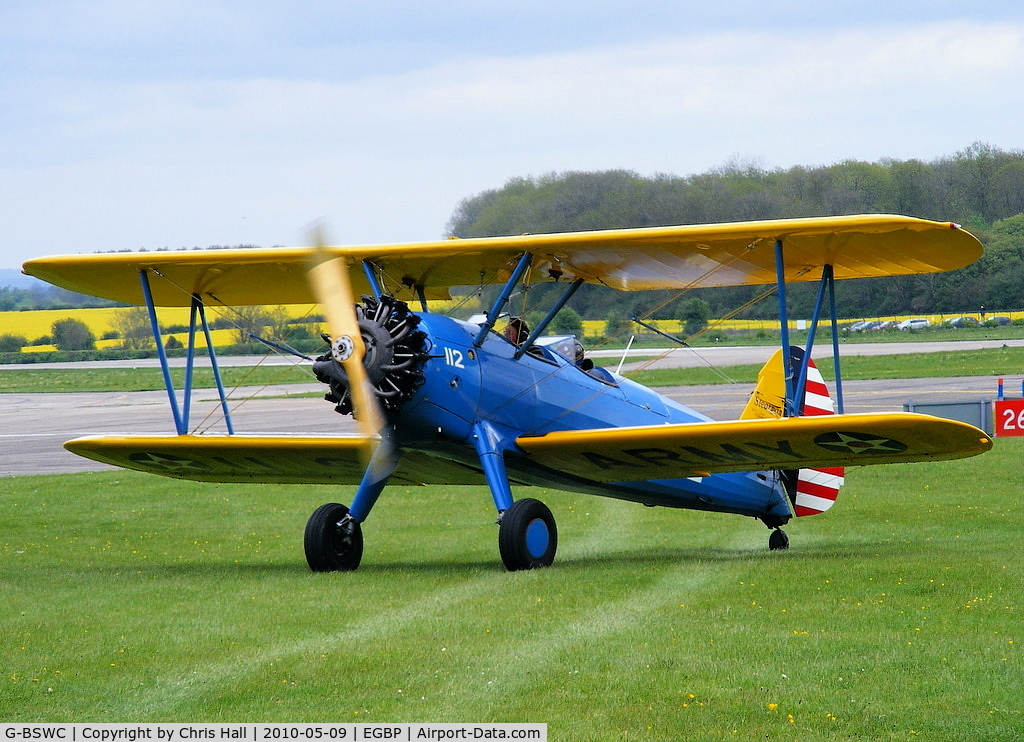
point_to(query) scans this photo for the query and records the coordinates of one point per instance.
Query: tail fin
(814, 490)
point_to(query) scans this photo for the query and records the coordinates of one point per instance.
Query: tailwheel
(333, 540)
(779, 540)
(527, 536)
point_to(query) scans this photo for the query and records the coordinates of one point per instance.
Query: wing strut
(199, 308)
(181, 413)
(787, 364)
(796, 378)
(837, 370)
(827, 284)
(503, 297)
(539, 329)
(371, 278)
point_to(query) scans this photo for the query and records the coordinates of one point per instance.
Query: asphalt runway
(33, 427)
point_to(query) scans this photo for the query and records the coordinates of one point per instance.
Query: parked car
(860, 326)
(961, 322)
(887, 325)
(1001, 321)
(914, 324)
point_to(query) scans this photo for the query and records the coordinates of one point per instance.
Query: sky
(133, 124)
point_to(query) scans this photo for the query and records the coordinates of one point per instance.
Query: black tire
(527, 536)
(779, 540)
(330, 545)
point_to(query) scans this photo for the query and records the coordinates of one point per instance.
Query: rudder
(812, 491)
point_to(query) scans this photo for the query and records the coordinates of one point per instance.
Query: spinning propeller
(329, 278)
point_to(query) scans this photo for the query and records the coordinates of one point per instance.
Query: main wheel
(779, 540)
(333, 541)
(527, 536)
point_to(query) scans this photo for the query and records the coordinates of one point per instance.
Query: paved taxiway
(33, 427)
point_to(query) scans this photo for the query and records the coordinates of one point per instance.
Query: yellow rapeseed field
(596, 327)
(36, 324)
(39, 323)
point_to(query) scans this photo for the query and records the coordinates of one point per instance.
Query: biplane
(440, 400)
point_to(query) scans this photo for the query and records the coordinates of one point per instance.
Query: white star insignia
(859, 443)
(165, 462)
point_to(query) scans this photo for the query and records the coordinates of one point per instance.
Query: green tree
(133, 327)
(12, 343)
(251, 320)
(616, 323)
(695, 315)
(567, 322)
(72, 334)
(975, 187)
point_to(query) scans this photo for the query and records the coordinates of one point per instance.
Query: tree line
(13, 299)
(980, 187)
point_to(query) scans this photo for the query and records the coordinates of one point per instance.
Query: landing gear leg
(333, 540)
(527, 536)
(779, 540)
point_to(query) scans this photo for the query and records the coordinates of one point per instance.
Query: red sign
(1009, 417)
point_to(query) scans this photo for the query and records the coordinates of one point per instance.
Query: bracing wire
(232, 315)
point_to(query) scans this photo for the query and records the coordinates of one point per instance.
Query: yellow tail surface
(812, 490)
(769, 396)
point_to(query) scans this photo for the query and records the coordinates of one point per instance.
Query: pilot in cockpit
(516, 331)
(581, 361)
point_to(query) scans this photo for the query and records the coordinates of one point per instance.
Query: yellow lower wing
(272, 459)
(606, 455)
(700, 449)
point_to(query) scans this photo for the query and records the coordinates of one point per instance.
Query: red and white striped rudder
(812, 491)
(817, 489)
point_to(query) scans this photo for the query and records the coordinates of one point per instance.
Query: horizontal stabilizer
(701, 449)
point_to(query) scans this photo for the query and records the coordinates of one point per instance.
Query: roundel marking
(859, 443)
(167, 462)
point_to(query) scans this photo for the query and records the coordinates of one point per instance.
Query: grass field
(28, 380)
(895, 616)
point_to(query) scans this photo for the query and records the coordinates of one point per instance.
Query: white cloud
(250, 151)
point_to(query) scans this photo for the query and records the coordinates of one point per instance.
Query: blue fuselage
(471, 392)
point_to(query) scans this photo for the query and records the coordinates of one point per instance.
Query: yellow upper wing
(629, 259)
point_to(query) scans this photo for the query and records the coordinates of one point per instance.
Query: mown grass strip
(896, 615)
(35, 380)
